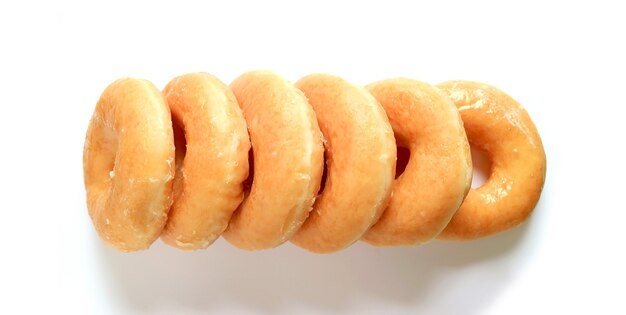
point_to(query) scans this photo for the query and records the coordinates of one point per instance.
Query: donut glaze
(498, 125)
(288, 161)
(438, 174)
(208, 183)
(128, 164)
(360, 157)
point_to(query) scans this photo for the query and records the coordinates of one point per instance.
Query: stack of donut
(265, 161)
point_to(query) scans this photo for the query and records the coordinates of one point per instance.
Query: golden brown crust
(439, 171)
(128, 164)
(498, 125)
(288, 161)
(360, 156)
(208, 183)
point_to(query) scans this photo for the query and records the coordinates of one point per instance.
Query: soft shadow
(431, 277)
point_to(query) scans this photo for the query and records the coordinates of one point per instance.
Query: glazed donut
(128, 164)
(250, 162)
(288, 161)
(438, 174)
(496, 124)
(211, 159)
(360, 158)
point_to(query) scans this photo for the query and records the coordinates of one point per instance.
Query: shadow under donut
(438, 275)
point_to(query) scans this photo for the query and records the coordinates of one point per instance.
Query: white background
(565, 62)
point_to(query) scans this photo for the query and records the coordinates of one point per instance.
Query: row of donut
(265, 161)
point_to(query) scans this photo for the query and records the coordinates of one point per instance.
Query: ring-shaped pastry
(211, 163)
(128, 164)
(288, 161)
(438, 174)
(497, 125)
(361, 160)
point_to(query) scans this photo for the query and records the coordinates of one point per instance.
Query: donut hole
(324, 174)
(404, 154)
(482, 167)
(102, 150)
(180, 142)
(180, 145)
(109, 155)
(247, 183)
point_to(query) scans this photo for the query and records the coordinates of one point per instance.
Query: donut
(128, 164)
(288, 161)
(497, 125)
(211, 159)
(360, 157)
(438, 173)
(201, 160)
